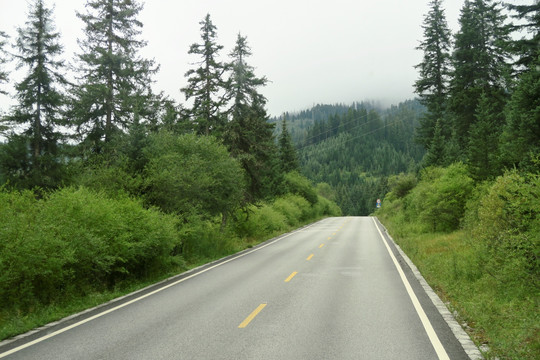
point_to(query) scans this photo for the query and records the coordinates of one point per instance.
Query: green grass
(501, 313)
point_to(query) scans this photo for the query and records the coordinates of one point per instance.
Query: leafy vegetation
(485, 261)
(106, 187)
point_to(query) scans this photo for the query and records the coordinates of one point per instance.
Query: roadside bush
(32, 260)
(76, 240)
(295, 208)
(508, 225)
(326, 207)
(400, 185)
(440, 197)
(297, 184)
(192, 174)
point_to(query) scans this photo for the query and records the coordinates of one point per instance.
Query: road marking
(309, 257)
(329, 238)
(58, 332)
(437, 345)
(291, 276)
(320, 246)
(251, 316)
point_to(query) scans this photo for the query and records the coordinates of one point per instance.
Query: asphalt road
(327, 291)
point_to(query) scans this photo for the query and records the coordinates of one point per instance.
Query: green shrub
(439, 199)
(400, 185)
(508, 225)
(297, 184)
(192, 174)
(75, 240)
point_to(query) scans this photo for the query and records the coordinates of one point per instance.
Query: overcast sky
(312, 51)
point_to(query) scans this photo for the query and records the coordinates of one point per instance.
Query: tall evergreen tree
(249, 135)
(40, 97)
(3, 60)
(484, 140)
(435, 155)
(287, 152)
(480, 61)
(206, 84)
(114, 78)
(527, 47)
(520, 140)
(4, 75)
(432, 86)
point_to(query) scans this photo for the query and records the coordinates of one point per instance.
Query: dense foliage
(479, 246)
(105, 185)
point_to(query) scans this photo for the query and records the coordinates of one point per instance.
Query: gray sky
(312, 51)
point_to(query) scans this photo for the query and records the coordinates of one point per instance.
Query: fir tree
(40, 97)
(483, 140)
(526, 48)
(206, 85)
(480, 65)
(249, 135)
(520, 140)
(287, 151)
(113, 79)
(432, 86)
(435, 156)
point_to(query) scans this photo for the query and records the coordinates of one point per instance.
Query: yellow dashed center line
(309, 257)
(251, 316)
(320, 246)
(291, 276)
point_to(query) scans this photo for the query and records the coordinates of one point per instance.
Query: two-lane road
(327, 291)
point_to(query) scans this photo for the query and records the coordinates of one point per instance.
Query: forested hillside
(355, 148)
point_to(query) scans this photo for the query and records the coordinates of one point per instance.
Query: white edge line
(437, 345)
(67, 328)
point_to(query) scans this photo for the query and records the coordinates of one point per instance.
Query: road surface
(332, 290)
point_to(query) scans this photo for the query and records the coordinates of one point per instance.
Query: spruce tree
(480, 62)
(113, 77)
(435, 155)
(40, 99)
(483, 140)
(206, 84)
(520, 140)
(432, 86)
(526, 48)
(287, 152)
(249, 136)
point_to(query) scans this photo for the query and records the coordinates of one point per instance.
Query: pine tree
(113, 78)
(40, 97)
(432, 86)
(206, 85)
(287, 152)
(480, 61)
(249, 136)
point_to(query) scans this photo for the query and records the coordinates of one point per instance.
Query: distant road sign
(378, 203)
